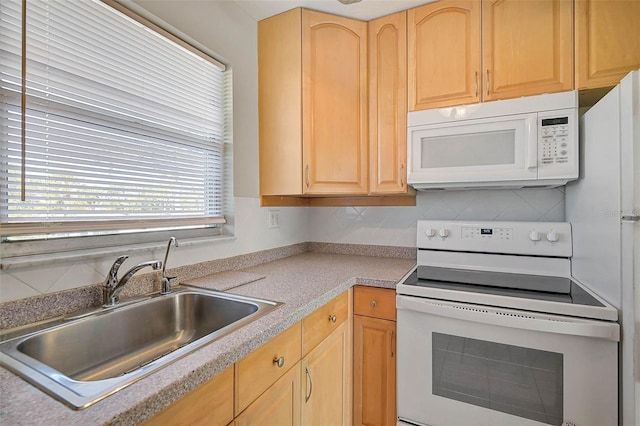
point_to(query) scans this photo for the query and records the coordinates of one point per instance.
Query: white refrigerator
(603, 206)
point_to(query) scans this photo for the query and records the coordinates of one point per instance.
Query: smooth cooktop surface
(522, 286)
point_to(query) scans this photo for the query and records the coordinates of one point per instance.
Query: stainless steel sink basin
(83, 360)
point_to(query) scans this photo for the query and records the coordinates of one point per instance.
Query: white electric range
(493, 330)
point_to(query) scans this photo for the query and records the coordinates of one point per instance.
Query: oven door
(461, 364)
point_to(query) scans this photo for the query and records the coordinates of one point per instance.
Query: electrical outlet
(274, 219)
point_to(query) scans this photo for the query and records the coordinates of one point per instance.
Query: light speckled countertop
(302, 282)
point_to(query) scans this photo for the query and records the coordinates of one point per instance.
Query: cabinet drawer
(259, 370)
(317, 326)
(375, 302)
(210, 404)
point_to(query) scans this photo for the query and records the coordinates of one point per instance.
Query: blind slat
(121, 122)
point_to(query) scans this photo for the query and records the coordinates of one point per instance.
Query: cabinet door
(388, 104)
(334, 104)
(444, 54)
(211, 404)
(278, 406)
(326, 381)
(607, 41)
(374, 371)
(527, 47)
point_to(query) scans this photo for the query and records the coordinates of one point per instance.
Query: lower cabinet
(303, 376)
(211, 404)
(326, 381)
(374, 357)
(278, 406)
(374, 371)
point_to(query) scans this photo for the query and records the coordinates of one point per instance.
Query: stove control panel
(530, 238)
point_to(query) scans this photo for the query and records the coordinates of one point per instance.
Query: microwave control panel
(558, 144)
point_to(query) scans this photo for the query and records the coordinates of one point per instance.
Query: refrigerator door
(630, 246)
(602, 207)
(593, 201)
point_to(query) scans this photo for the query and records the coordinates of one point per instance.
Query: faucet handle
(166, 284)
(119, 261)
(112, 276)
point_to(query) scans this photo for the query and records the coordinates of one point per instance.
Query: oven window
(520, 381)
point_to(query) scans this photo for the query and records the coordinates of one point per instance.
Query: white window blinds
(124, 127)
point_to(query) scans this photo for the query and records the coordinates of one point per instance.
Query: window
(124, 127)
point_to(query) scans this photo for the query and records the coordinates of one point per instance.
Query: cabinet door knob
(279, 361)
(333, 318)
(374, 303)
(307, 176)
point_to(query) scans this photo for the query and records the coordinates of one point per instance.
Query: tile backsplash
(396, 226)
(378, 226)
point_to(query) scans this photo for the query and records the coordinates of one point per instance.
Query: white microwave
(525, 142)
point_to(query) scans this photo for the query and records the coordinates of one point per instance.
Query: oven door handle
(512, 318)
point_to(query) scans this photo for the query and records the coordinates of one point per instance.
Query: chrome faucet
(166, 281)
(112, 286)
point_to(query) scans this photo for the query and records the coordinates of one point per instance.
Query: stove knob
(430, 232)
(534, 236)
(553, 236)
(443, 232)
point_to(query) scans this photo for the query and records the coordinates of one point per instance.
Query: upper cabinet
(312, 104)
(280, 103)
(463, 52)
(607, 41)
(527, 47)
(334, 104)
(332, 110)
(388, 104)
(444, 54)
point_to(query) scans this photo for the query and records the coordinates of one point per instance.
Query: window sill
(25, 261)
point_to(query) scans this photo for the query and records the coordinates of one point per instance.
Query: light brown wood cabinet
(326, 373)
(466, 51)
(327, 364)
(278, 406)
(607, 41)
(312, 104)
(256, 372)
(210, 404)
(444, 54)
(388, 104)
(374, 359)
(274, 386)
(318, 325)
(332, 110)
(326, 367)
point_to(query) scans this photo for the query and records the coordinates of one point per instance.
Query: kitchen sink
(83, 359)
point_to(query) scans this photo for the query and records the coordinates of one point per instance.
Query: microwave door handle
(532, 143)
